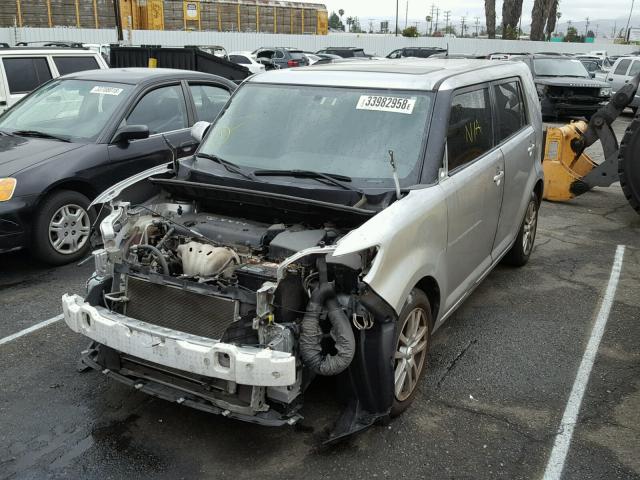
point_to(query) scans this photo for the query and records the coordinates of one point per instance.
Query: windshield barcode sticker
(106, 90)
(386, 104)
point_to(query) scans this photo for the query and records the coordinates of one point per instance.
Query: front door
(618, 74)
(473, 187)
(164, 111)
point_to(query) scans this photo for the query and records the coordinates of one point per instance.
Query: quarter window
(209, 100)
(509, 108)
(26, 74)
(75, 64)
(622, 67)
(162, 110)
(470, 133)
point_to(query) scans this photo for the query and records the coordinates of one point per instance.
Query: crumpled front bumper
(199, 355)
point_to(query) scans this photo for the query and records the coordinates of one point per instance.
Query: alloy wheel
(411, 353)
(529, 227)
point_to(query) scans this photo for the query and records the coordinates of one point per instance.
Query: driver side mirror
(131, 132)
(199, 130)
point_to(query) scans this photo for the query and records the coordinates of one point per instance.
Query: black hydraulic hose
(158, 254)
(311, 333)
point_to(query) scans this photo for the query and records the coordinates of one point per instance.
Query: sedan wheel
(413, 338)
(410, 353)
(529, 227)
(69, 229)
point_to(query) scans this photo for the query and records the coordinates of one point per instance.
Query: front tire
(62, 228)
(413, 339)
(521, 250)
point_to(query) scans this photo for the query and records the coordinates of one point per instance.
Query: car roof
(410, 73)
(47, 51)
(136, 76)
(343, 48)
(245, 53)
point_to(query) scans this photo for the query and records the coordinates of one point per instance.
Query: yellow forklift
(570, 172)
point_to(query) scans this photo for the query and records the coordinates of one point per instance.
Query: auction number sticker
(107, 90)
(383, 103)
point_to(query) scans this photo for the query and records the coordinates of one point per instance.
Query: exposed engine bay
(248, 290)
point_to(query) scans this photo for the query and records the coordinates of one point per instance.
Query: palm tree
(511, 12)
(554, 16)
(539, 14)
(490, 16)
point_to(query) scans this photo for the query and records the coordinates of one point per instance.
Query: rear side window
(510, 109)
(297, 55)
(622, 67)
(26, 74)
(239, 59)
(75, 64)
(470, 132)
(358, 53)
(209, 100)
(635, 68)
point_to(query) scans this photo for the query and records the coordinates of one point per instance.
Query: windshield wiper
(36, 133)
(322, 177)
(229, 166)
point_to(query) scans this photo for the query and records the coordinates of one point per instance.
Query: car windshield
(74, 110)
(340, 131)
(558, 67)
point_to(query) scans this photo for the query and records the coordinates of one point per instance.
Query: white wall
(373, 44)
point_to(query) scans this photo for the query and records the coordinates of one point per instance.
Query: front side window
(395, 54)
(76, 110)
(75, 64)
(208, 100)
(162, 110)
(635, 69)
(510, 109)
(470, 132)
(622, 67)
(26, 74)
(277, 127)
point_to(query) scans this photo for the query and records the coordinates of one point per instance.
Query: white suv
(622, 71)
(23, 69)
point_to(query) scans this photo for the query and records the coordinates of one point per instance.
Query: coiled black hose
(311, 333)
(158, 254)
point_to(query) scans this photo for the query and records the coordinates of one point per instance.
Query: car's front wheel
(62, 228)
(521, 250)
(413, 339)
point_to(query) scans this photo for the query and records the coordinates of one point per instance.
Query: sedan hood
(18, 153)
(571, 82)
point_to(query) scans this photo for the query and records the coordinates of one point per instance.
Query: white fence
(373, 44)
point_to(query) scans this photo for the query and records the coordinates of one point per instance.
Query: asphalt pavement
(501, 371)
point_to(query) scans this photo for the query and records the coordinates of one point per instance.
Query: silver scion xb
(331, 220)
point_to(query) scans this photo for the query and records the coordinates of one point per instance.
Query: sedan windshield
(337, 131)
(73, 110)
(557, 67)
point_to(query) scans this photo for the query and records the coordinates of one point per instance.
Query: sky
(375, 10)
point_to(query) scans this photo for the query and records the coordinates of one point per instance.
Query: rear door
(21, 75)
(473, 188)
(618, 74)
(516, 138)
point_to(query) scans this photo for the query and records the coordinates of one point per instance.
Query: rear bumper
(181, 351)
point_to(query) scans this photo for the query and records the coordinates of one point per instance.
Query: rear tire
(62, 228)
(413, 339)
(521, 250)
(628, 165)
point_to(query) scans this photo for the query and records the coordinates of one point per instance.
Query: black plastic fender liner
(629, 164)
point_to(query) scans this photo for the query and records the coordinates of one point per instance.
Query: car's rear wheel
(521, 250)
(62, 228)
(413, 339)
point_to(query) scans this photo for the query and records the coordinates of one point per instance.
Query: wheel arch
(429, 285)
(73, 184)
(538, 190)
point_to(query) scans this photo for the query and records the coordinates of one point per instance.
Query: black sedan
(75, 136)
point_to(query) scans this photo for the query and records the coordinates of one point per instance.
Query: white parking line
(570, 417)
(32, 328)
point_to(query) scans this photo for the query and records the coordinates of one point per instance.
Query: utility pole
(447, 15)
(462, 24)
(626, 30)
(615, 26)
(597, 28)
(406, 15)
(477, 25)
(586, 26)
(433, 9)
(116, 11)
(437, 15)
(397, 17)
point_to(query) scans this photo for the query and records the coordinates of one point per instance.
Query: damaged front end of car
(200, 298)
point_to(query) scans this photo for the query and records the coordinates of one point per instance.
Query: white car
(246, 60)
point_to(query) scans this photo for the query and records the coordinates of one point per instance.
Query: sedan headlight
(605, 92)
(7, 187)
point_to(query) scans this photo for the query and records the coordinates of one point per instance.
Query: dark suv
(344, 52)
(280, 57)
(564, 86)
(419, 52)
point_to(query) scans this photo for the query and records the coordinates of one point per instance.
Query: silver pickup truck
(332, 219)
